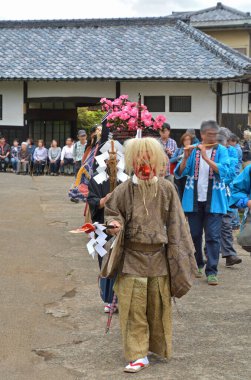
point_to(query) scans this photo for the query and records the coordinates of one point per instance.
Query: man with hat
(169, 145)
(79, 149)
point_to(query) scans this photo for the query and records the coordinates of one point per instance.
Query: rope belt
(143, 247)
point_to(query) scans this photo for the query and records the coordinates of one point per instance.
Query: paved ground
(52, 324)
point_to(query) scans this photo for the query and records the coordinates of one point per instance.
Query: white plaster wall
(12, 93)
(234, 103)
(203, 100)
(65, 89)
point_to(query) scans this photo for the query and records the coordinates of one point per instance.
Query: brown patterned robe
(148, 272)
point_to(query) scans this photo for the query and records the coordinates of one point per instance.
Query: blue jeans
(14, 162)
(235, 218)
(54, 167)
(211, 224)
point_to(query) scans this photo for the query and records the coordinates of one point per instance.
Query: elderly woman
(23, 159)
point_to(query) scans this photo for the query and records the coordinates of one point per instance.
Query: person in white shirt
(67, 162)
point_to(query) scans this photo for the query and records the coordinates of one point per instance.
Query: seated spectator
(79, 150)
(191, 132)
(67, 161)
(40, 158)
(31, 150)
(54, 157)
(23, 159)
(4, 154)
(15, 149)
(185, 141)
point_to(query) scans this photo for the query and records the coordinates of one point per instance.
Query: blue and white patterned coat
(217, 199)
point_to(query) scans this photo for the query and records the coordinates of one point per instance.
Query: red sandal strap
(137, 364)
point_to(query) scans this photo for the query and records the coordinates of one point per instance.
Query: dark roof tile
(146, 48)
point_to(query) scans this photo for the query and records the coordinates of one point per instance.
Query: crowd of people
(28, 158)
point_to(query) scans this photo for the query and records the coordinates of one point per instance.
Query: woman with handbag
(156, 256)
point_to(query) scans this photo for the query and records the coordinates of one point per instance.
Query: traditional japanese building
(49, 68)
(229, 26)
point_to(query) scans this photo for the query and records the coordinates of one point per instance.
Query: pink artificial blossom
(148, 122)
(117, 102)
(123, 97)
(134, 112)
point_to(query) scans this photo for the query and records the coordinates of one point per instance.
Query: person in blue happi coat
(241, 189)
(204, 200)
(227, 244)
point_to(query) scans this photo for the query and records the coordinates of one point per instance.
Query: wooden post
(118, 89)
(25, 110)
(219, 103)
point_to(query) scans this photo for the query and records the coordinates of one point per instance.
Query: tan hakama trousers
(145, 314)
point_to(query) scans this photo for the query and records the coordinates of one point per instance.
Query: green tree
(87, 119)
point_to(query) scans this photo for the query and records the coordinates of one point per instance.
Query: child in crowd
(23, 159)
(54, 157)
(40, 158)
(15, 149)
(67, 157)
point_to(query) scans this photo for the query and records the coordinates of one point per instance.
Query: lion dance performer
(155, 259)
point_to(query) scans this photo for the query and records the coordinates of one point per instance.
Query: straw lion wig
(144, 151)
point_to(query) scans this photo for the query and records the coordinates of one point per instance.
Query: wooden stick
(196, 146)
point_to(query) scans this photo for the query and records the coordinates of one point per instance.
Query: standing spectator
(234, 142)
(23, 159)
(241, 189)
(79, 150)
(185, 141)
(54, 155)
(4, 154)
(67, 157)
(15, 149)
(247, 146)
(227, 247)
(40, 158)
(195, 139)
(204, 200)
(31, 149)
(169, 146)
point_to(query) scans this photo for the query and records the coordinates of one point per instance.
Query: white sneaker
(137, 365)
(107, 308)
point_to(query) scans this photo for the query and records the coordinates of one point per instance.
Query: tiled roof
(217, 14)
(114, 49)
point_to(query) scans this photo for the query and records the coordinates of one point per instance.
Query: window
(155, 103)
(241, 50)
(1, 107)
(180, 103)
